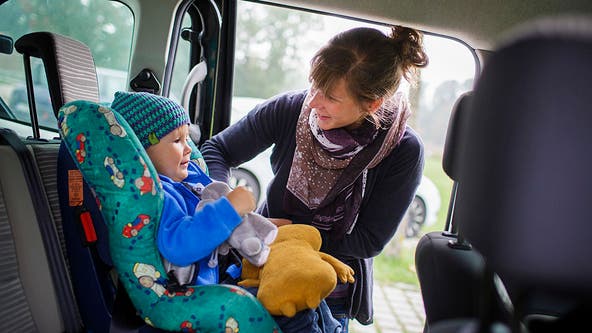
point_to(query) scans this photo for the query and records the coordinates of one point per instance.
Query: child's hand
(279, 222)
(242, 200)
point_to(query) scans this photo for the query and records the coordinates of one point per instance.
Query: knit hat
(150, 116)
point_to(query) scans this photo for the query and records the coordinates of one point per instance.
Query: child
(187, 237)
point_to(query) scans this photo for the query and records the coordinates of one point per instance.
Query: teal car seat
(130, 197)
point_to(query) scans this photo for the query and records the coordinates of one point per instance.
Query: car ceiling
(478, 23)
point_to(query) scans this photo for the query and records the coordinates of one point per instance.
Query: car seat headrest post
(31, 96)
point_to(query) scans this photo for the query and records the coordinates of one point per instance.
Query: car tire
(416, 217)
(244, 177)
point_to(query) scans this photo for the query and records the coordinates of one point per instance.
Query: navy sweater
(390, 186)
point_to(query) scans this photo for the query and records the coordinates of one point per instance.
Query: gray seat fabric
(16, 312)
(31, 299)
(46, 158)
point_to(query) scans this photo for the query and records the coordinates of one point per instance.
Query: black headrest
(525, 192)
(6, 44)
(69, 66)
(454, 141)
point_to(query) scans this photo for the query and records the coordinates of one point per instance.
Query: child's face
(171, 155)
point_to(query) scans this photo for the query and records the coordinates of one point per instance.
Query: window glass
(104, 26)
(273, 49)
(181, 67)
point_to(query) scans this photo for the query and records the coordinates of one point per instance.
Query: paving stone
(398, 308)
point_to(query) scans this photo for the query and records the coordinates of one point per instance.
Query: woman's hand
(242, 200)
(280, 222)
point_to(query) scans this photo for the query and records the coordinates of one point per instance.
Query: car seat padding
(126, 185)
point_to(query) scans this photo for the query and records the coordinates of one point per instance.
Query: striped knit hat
(150, 116)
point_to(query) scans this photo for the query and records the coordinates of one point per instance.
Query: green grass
(433, 170)
(389, 268)
(401, 268)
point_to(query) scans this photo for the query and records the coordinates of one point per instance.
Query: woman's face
(336, 109)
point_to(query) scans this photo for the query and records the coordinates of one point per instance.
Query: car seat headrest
(6, 44)
(454, 140)
(525, 187)
(69, 66)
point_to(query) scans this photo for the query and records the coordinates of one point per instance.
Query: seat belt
(50, 238)
(86, 239)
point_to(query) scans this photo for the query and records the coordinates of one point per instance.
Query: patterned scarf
(327, 178)
(339, 143)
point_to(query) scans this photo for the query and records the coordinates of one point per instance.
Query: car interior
(511, 255)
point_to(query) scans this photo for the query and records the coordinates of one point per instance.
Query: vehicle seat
(449, 270)
(524, 187)
(41, 295)
(126, 201)
(101, 305)
(28, 292)
(81, 265)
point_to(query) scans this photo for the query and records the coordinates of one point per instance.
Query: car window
(273, 48)
(182, 64)
(199, 78)
(104, 26)
(272, 58)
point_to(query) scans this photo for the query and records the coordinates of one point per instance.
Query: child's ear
(149, 151)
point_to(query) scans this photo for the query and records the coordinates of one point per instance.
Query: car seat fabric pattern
(117, 168)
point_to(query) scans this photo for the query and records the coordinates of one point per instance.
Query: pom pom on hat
(150, 116)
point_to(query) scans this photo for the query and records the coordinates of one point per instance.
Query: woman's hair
(371, 62)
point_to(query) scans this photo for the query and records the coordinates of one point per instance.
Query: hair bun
(410, 43)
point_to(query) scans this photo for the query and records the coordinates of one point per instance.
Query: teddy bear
(297, 275)
(251, 238)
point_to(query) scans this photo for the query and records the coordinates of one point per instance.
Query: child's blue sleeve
(185, 237)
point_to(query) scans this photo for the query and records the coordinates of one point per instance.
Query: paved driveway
(398, 308)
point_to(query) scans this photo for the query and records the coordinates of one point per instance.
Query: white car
(256, 174)
(423, 210)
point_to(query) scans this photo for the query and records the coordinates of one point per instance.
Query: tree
(102, 26)
(436, 109)
(267, 49)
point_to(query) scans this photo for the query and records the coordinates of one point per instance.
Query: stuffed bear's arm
(249, 283)
(249, 275)
(344, 272)
(288, 309)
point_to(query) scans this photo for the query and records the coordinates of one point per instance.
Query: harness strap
(90, 263)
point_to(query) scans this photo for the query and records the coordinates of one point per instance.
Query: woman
(344, 159)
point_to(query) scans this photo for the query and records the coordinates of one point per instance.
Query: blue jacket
(186, 236)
